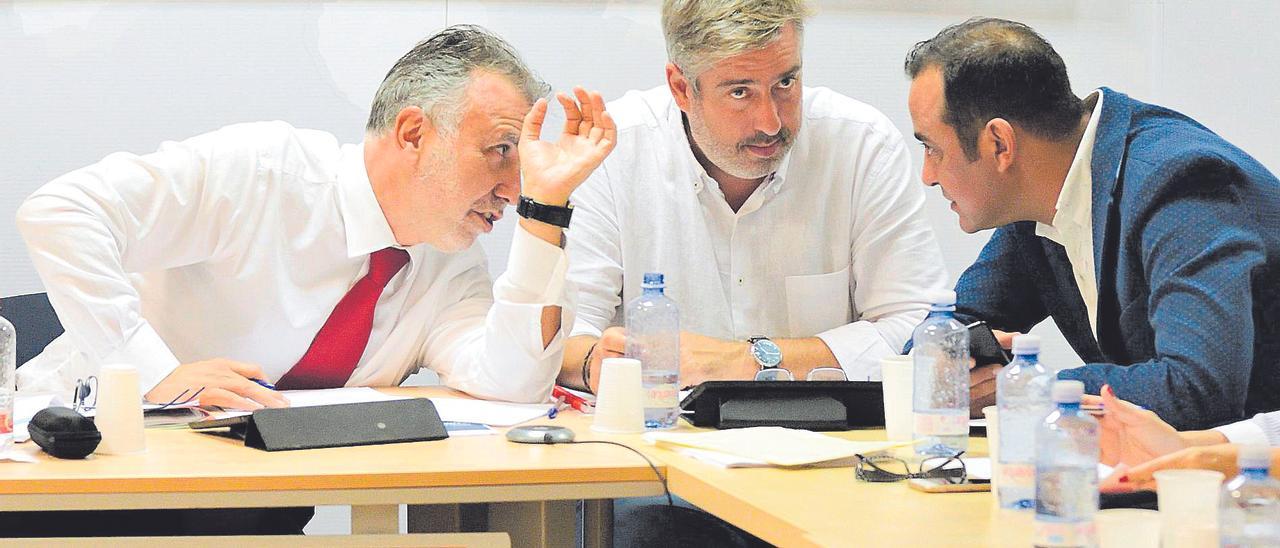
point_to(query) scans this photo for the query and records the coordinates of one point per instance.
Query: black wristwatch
(550, 214)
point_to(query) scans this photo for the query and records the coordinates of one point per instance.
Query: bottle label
(1017, 475)
(662, 395)
(6, 422)
(927, 424)
(1053, 534)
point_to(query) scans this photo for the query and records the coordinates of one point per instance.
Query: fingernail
(1124, 479)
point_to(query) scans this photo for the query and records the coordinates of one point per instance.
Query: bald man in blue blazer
(1153, 243)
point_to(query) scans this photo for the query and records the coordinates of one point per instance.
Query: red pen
(575, 401)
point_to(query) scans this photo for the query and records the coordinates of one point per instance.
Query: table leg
(375, 519)
(597, 523)
(544, 524)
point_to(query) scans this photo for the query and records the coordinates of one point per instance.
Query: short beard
(732, 159)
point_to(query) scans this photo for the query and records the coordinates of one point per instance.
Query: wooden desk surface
(182, 461)
(830, 507)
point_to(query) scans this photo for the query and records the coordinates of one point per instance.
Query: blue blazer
(1186, 243)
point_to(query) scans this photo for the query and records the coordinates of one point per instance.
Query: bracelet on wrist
(586, 368)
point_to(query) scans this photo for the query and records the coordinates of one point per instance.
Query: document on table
(450, 409)
(768, 446)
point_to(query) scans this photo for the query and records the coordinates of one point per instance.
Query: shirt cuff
(858, 347)
(148, 353)
(535, 271)
(1246, 432)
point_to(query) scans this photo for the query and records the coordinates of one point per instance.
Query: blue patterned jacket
(1186, 242)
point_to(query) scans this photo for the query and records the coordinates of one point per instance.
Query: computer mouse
(540, 434)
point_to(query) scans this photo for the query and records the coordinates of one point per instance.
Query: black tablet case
(342, 425)
(811, 405)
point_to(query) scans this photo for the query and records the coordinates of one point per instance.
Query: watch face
(766, 353)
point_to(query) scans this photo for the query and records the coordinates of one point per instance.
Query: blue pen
(264, 384)
(551, 413)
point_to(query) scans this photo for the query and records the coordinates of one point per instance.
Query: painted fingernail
(1124, 479)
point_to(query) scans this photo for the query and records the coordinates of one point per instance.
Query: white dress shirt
(833, 245)
(1072, 226)
(238, 244)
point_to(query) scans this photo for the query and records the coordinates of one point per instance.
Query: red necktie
(337, 348)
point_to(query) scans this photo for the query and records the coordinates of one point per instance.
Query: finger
(586, 109)
(531, 130)
(1144, 473)
(1005, 338)
(227, 400)
(1089, 399)
(258, 393)
(572, 116)
(605, 122)
(246, 370)
(613, 340)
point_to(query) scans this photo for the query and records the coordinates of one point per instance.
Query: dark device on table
(983, 346)
(811, 405)
(64, 433)
(340, 425)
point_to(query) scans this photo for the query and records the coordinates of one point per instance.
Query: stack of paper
(768, 446)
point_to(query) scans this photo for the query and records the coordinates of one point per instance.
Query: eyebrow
(789, 73)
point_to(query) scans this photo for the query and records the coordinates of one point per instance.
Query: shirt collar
(1075, 200)
(366, 226)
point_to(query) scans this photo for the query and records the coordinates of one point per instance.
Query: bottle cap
(1067, 391)
(1026, 344)
(942, 297)
(1255, 457)
(652, 279)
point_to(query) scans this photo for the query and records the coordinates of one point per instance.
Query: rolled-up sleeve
(896, 261)
(489, 343)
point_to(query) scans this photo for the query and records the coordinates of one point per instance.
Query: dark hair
(993, 68)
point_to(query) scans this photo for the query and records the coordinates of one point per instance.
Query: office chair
(35, 321)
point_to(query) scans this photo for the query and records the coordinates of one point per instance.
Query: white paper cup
(897, 373)
(990, 413)
(119, 411)
(1128, 528)
(1188, 504)
(620, 400)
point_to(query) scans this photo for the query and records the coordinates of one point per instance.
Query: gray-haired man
(261, 251)
(785, 218)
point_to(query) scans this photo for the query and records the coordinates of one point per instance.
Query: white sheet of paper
(334, 396)
(491, 413)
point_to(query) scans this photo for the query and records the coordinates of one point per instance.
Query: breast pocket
(817, 302)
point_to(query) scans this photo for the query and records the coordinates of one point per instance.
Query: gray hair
(435, 73)
(702, 32)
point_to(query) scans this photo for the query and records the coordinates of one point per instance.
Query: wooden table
(185, 469)
(831, 507)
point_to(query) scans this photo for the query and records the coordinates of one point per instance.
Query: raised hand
(550, 171)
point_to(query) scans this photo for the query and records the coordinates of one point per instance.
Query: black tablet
(811, 405)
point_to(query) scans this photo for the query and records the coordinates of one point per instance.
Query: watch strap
(550, 214)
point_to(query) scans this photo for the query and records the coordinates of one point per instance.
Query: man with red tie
(263, 252)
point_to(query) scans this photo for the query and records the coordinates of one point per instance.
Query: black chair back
(35, 321)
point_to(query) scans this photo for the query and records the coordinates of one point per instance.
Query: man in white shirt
(784, 218)
(261, 251)
(218, 260)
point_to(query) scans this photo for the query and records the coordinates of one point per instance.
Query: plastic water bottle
(940, 399)
(653, 337)
(8, 372)
(1023, 394)
(1250, 510)
(1066, 471)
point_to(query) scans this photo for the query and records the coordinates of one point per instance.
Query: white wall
(83, 79)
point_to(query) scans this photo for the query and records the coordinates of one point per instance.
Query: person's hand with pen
(225, 383)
